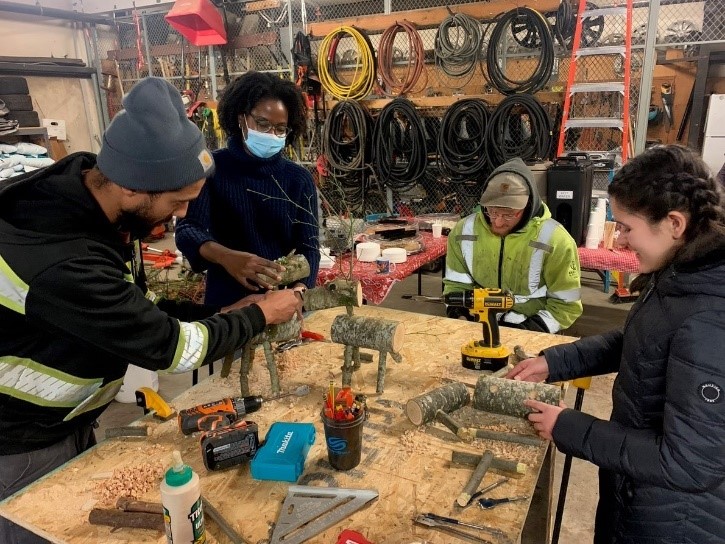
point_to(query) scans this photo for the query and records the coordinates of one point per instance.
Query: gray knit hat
(151, 145)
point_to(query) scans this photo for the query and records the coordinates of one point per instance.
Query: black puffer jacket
(662, 455)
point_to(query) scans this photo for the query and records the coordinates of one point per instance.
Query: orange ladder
(585, 98)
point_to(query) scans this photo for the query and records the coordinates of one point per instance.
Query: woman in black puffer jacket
(662, 454)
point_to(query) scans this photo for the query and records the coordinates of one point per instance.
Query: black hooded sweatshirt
(73, 316)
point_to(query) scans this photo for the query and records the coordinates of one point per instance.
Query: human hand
(243, 267)
(299, 291)
(279, 306)
(243, 302)
(535, 369)
(545, 416)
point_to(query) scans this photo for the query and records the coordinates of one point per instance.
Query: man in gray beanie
(513, 243)
(73, 299)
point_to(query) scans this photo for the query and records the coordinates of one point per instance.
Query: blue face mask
(263, 145)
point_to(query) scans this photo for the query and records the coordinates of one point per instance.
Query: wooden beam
(427, 18)
(446, 101)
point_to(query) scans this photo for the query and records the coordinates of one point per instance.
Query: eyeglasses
(497, 215)
(263, 125)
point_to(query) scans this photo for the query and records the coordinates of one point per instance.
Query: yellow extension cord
(363, 78)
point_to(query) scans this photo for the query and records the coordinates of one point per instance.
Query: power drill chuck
(213, 415)
(462, 299)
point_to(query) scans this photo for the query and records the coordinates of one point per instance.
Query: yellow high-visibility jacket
(539, 263)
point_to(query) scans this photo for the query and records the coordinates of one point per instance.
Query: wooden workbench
(409, 467)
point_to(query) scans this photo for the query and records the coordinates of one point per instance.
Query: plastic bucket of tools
(344, 440)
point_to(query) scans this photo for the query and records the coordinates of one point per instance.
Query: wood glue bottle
(181, 499)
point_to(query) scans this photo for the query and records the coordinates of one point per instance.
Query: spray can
(181, 499)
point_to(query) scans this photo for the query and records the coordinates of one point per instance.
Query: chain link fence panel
(262, 34)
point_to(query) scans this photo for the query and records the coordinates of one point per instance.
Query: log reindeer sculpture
(355, 332)
(274, 333)
(334, 294)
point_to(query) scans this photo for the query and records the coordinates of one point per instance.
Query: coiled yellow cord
(363, 78)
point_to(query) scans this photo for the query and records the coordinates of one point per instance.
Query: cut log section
(472, 460)
(473, 482)
(296, 268)
(132, 520)
(279, 333)
(368, 332)
(469, 434)
(340, 292)
(502, 396)
(422, 409)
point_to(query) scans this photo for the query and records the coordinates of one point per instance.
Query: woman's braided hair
(668, 178)
(242, 94)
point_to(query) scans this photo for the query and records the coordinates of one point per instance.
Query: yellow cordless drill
(484, 304)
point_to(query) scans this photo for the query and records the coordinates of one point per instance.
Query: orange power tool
(213, 415)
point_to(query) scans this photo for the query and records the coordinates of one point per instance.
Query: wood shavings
(416, 441)
(131, 481)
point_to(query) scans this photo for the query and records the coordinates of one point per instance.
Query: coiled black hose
(399, 146)
(496, 47)
(462, 141)
(347, 147)
(458, 58)
(519, 127)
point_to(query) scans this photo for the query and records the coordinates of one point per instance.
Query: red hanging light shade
(199, 21)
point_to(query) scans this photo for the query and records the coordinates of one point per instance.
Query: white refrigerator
(713, 148)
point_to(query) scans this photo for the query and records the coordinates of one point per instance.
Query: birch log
(473, 482)
(340, 292)
(279, 333)
(469, 434)
(422, 409)
(472, 460)
(368, 332)
(502, 396)
(296, 268)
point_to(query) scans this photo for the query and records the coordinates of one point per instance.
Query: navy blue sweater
(263, 206)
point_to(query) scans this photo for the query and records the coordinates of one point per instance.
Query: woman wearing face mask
(662, 454)
(258, 206)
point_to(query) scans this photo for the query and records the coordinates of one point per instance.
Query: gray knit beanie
(151, 145)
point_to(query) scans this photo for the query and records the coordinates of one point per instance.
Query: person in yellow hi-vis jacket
(513, 243)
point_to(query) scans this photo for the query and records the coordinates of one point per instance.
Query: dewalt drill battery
(229, 446)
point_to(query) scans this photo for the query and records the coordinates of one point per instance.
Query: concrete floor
(599, 315)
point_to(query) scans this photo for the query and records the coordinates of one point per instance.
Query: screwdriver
(299, 391)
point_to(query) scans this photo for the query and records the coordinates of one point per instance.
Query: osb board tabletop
(409, 467)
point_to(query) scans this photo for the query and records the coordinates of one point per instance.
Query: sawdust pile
(131, 481)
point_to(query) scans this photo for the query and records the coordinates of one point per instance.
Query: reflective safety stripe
(467, 243)
(551, 323)
(97, 400)
(33, 382)
(13, 290)
(191, 348)
(539, 293)
(460, 277)
(570, 295)
(537, 257)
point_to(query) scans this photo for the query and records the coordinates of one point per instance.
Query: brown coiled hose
(416, 59)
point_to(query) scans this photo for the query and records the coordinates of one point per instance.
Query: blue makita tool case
(282, 458)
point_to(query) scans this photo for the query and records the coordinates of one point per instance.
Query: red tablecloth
(376, 286)
(622, 260)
